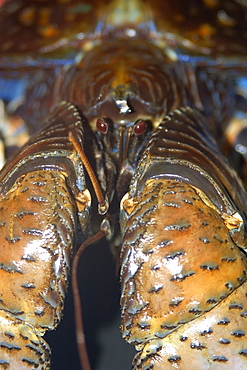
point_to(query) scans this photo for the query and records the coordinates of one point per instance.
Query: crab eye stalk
(102, 126)
(139, 127)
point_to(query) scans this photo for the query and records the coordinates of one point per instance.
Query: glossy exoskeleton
(126, 104)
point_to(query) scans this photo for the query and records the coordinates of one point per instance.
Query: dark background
(100, 290)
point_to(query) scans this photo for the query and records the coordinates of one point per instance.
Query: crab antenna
(80, 336)
(103, 204)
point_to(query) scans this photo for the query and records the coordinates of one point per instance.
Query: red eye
(102, 126)
(140, 127)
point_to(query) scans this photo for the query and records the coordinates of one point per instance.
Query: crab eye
(102, 126)
(139, 127)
